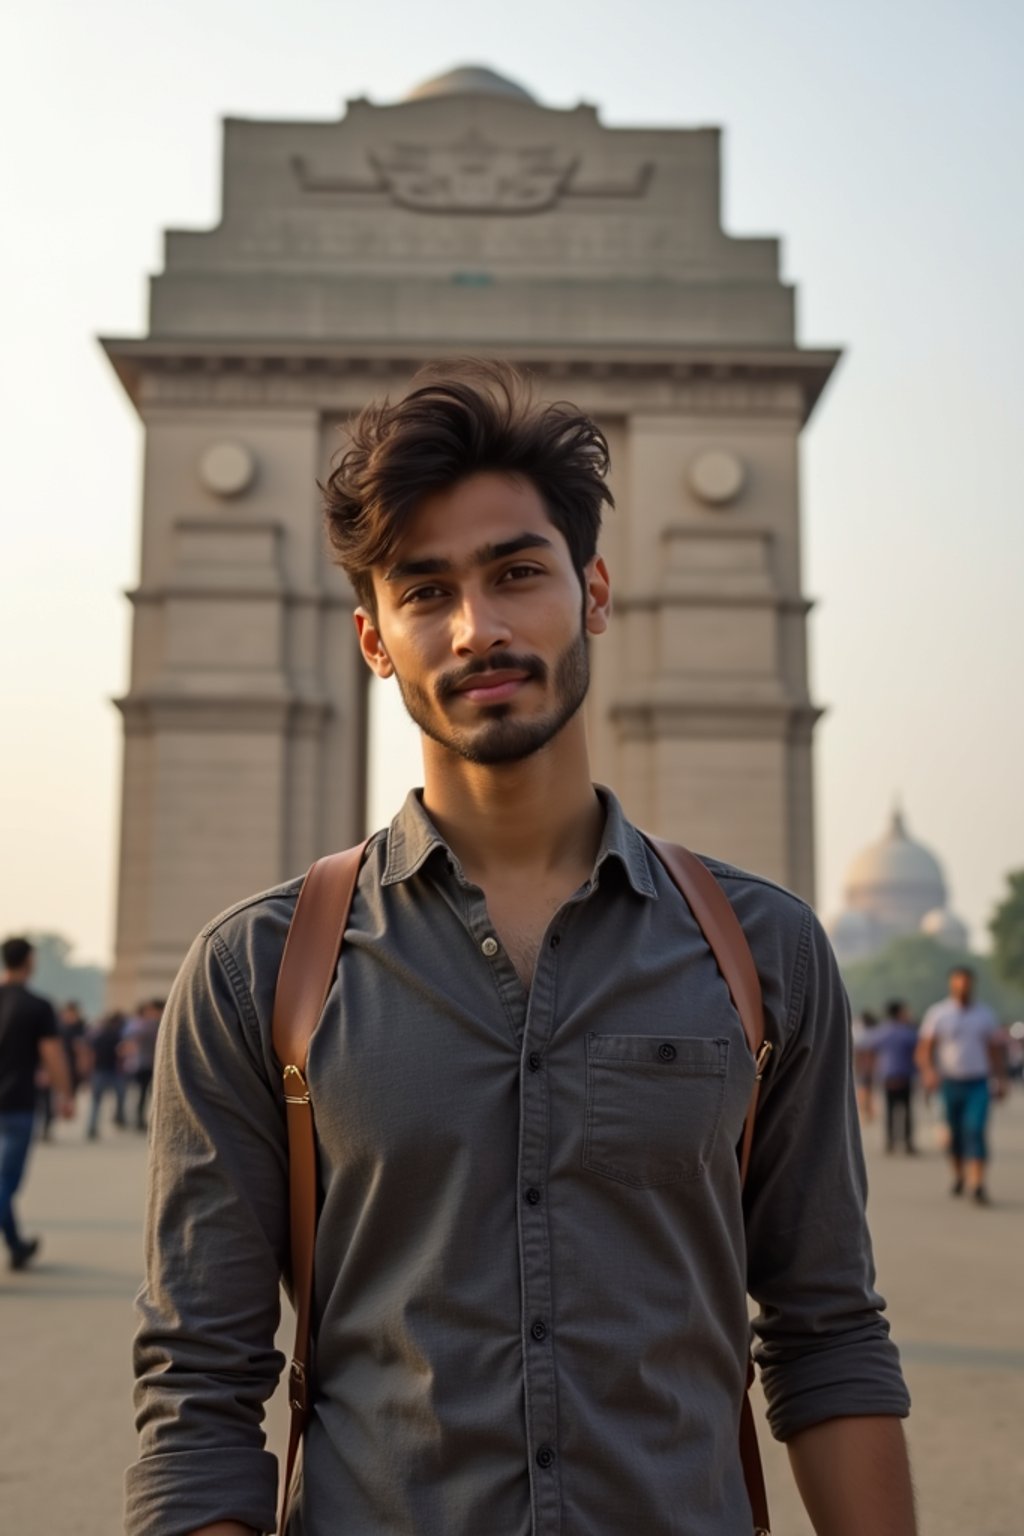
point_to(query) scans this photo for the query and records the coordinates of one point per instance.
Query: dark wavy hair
(15, 952)
(457, 419)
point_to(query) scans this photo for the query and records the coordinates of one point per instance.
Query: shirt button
(539, 1331)
(545, 1456)
(534, 1060)
(556, 939)
(667, 1052)
(533, 1196)
(489, 947)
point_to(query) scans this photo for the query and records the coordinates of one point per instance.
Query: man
(863, 1031)
(137, 1052)
(894, 1043)
(533, 1256)
(28, 1040)
(105, 1074)
(960, 1049)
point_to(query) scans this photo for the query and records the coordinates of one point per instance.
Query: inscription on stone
(472, 175)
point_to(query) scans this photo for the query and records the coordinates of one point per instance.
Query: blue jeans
(15, 1140)
(966, 1101)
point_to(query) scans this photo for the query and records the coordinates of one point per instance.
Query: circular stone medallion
(716, 476)
(227, 468)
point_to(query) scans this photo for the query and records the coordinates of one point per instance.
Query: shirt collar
(412, 838)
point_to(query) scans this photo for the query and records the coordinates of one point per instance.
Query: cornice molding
(660, 719)
(329, 376)
(148, 712)
(707, 596)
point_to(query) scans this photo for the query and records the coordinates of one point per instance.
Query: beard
(499, 737)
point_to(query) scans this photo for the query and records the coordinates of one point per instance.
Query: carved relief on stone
(227, 468)
(716, 476)
(473, 175)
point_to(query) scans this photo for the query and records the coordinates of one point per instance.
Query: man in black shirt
(28, 1039)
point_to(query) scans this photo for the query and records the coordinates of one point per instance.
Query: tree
(1007, 930)
(60, 979)
(916, 970)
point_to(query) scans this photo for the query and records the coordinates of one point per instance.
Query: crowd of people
(109, 1059)
(959, 1055)
(47, 1058)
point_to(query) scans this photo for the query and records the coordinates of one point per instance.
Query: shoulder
(787, 941)
(933, 1019)
(248, 938)
(40, 1009)
(773, 918)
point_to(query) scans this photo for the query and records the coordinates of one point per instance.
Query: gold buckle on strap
(295, 1088)
(297, 1386)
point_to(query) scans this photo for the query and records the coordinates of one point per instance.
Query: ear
(371, 644)
(597, 592)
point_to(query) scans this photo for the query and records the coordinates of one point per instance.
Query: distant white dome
(897, 862)
(896, 880)
(470, 80)
(945, 927)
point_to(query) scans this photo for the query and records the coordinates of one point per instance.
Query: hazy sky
(882, 141)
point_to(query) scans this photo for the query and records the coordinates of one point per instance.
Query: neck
(530, 818)
(15, 978)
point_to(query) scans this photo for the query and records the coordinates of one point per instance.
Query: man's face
(482, 620)
(960, 987)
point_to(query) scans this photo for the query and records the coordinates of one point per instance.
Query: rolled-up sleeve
(823, 1346)
(216, 1234)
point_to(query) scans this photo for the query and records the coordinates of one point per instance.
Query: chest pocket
(653, 1106)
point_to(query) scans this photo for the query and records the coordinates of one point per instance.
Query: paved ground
(951, 1272)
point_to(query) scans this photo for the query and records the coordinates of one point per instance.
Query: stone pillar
(244, 702)
(709, 702)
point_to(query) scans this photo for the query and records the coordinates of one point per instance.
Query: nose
(479, 626)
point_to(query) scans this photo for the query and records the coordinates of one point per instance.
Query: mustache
(531, 666)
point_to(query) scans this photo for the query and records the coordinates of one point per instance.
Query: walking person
(894, 1044)
(961, 1052)
(138, 1052)
(74, 1033)
(28, 1041)
(106, 1076)
(528, 1084)
(862, 1032)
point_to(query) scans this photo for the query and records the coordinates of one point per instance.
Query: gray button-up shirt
(533, 1254)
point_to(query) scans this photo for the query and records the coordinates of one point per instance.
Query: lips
(492, 687)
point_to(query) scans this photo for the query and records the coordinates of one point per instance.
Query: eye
(426, 594)
(521, 572)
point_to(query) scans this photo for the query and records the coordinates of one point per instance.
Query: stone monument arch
(466, 219)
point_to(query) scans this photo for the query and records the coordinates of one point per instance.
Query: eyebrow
(487, 554)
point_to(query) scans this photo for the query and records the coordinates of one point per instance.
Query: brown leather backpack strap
(308, 968)
(728, 943)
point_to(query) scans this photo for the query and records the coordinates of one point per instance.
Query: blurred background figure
(138, 1051)
(961, 1049)
(895, 1043)
(28, 1041)
(74, 1030)
(71, 1031)
(1015, 1052)
(863, 1031)
(106, 1075)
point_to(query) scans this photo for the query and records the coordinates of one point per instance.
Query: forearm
(55, 1064)
(854, 1476)
(924, 1058)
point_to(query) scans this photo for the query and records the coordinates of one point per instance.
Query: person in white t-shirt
(961, 1049)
